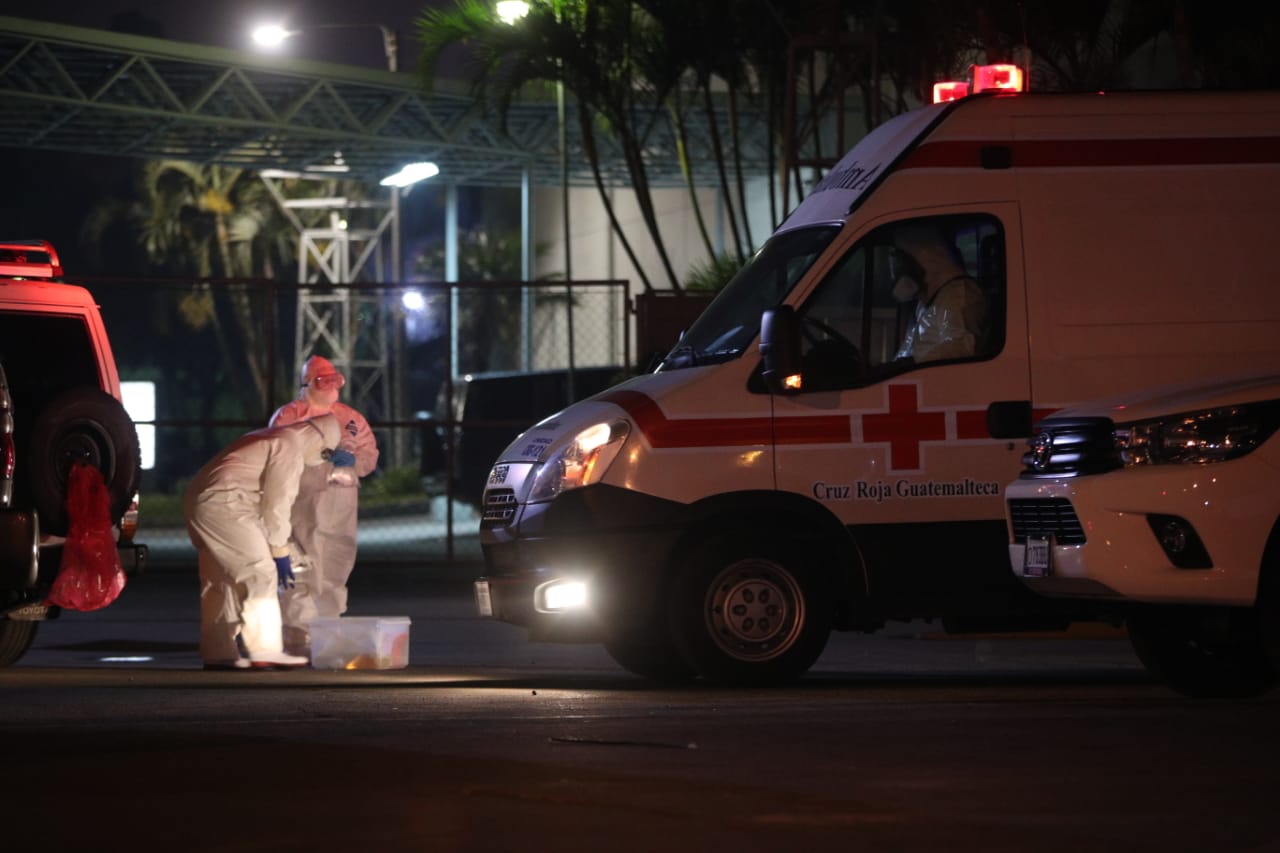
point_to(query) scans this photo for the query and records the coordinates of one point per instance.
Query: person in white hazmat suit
(951, 318)
(237, 512)
(324, 515)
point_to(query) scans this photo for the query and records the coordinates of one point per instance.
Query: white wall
(599, 254)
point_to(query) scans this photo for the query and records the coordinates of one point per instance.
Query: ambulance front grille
(1044, 517)
(499, 508)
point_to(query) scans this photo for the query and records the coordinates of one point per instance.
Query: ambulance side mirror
(780, 350)
(1009, 419)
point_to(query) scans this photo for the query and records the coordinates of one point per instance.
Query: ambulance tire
(1204, 655)
(750, 612)
(650, 654)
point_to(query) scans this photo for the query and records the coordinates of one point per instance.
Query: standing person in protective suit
(324, 515)
(237, 511)
(951, 317)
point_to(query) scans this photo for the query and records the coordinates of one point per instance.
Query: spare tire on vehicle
(81, 425)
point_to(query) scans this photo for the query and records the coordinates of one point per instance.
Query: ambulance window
(916, 291)
(732, 321)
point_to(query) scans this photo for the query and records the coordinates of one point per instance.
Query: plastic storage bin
(360, 642)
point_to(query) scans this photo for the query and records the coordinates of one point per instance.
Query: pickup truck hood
(1172, 399)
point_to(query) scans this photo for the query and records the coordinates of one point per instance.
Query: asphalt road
(903, 740)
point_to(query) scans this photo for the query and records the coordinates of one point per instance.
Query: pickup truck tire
(15, 639)
(749, 611)
(1207, 654)
(82, 424)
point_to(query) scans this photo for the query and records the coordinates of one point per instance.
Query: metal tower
(343, 246)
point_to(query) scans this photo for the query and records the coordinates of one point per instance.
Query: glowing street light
(510, 11)
(411, 173)
(274, 35)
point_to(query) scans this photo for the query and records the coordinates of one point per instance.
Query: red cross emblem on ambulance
(905, 427)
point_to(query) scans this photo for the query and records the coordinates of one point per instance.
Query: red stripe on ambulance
(661, 431)
(1099, 153)
(903, 426)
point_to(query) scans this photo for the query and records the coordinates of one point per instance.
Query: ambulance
(827, 446)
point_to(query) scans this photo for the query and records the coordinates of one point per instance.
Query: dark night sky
(49, 194)
(227, 23)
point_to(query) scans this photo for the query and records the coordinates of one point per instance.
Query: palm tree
(595, 50)
(215, 221)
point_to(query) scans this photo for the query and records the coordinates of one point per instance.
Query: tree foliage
(631, 65)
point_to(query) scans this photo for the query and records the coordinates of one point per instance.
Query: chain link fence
(446, 375)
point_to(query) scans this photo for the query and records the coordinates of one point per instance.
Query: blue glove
(284, 571)
(342, 458)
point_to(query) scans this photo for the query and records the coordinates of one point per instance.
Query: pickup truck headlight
(581, 462)
(1210, 435)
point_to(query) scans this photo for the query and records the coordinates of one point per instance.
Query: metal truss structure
(90, 91)
(94, 92)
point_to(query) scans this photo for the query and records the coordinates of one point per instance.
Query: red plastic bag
(90, 576)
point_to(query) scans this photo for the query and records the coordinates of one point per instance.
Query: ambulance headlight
(560, 596)
(1211, 435)
(581, 462)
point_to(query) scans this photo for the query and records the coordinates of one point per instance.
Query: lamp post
(273, 36)
(509, 12)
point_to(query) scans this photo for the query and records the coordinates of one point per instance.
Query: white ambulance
(828, 445)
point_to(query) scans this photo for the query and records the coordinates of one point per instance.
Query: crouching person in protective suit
(237, 511)
(324, 514)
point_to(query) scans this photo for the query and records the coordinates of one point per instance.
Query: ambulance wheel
(1210, 655)
(15, 639)
(82, 425)
(650, 654)
(750, 612)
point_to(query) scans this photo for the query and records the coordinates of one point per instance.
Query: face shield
(328, 382)
(908, 275)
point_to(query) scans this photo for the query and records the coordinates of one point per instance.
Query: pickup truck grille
(1070, 447)
(499, 508)
(1045, 517)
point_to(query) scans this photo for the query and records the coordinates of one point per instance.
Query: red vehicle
(60, 404)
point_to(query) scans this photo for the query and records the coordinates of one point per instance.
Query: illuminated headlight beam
(561, 595)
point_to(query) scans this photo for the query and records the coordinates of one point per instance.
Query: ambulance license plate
(484, 603)
(1037, 557)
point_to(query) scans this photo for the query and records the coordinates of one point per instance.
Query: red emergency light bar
(1000, 77)
(949, 91)
(1008, 77)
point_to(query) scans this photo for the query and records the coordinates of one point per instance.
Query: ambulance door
(906, 341)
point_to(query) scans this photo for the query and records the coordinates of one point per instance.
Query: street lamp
(275, 35)
(272, 36)
(411, 173)
(509, 12)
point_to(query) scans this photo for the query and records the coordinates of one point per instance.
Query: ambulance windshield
(732, 321)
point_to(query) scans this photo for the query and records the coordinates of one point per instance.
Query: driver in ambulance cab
(951, 317)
